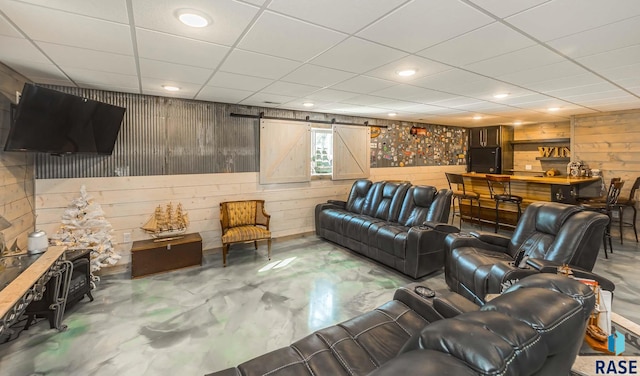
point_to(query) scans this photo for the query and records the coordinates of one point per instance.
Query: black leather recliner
(396, 224)
(535, 328)
(547, 235)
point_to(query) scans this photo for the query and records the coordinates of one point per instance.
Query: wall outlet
(126, 237)
(527, 167)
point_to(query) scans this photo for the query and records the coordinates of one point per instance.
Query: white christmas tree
(85, 227)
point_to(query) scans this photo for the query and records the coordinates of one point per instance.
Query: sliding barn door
(285, 149)
(350, 152)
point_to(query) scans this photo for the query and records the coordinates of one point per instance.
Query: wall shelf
(541, 141)
(554, 159)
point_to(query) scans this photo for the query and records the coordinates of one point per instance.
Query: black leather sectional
(395, 223)
(535, 328)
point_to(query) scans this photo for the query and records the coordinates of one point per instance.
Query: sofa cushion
(416, 205)
(357, 196)
(242, 213)
(392, 239)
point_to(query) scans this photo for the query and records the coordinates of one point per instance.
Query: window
(321, 151)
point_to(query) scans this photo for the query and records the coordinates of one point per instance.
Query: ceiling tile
(444, 80)
(544, 73)
(176, 72)
(255, 64)
(330, 95)
(472, 46)
(179, 50)
(527, 58)
(351, 17)
(612, 59)
(282, 36)
(238, 81)
(357, 56)
(422, 108)
(222, 94)
(230, 18)
(626, 76)
(92, 78)
(569, 92)
(503, 8)
(364, 100)
(317, 76)
(153, 86)
(424, 67)
(457, 102)
(48, 25)
(267, 100)
(40, 72)
(403, 92)
(97, 61)
(421, 24)
(7, 29)
(566, 17)
(290, 89)
(298, 104)
(112, 10)
(255, 2)
(610, 37)
(566, 82)
(363, 84)
(395, 105)
(15, 50)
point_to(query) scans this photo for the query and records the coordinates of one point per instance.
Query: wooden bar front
(531, 189)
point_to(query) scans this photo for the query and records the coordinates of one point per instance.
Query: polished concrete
(207, 318)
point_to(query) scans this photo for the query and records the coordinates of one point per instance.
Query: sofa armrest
(422, 306)
(492, 238)
(503, 274)
(451, 304)
(338, 203)
(459, 240)
(442, 227)
(546, 266)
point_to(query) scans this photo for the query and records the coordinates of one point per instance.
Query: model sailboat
(167, 222)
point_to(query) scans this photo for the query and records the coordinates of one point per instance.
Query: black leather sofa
(535, 328)
(548, 235)
(394, 223)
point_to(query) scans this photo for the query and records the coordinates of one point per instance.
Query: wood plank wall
(525, 154)
(610, 142)
(16, 169)
(129, 201)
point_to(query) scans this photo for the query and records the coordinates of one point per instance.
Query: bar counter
(532, 189)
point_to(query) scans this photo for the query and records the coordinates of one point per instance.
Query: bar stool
(624, 203)
(500, 191)
(460, 195)
(606, 208)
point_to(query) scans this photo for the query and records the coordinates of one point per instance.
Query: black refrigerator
(487, 160)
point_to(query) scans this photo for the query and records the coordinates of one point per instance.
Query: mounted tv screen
(50, 121)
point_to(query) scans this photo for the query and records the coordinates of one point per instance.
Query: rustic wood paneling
(610, 142)
(16, 169)
(525, 154)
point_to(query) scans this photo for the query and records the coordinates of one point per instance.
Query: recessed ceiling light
(171, 88)
(392, 114)
(517, 122)
(552, 109)
(307, 104)
(193, 18)
(477, 117)
(501, 95)
(406, 72)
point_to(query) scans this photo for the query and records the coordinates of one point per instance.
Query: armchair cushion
(242, 213)
(245, 234)
(244, 221)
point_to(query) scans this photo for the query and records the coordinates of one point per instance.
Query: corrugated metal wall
(171, 136)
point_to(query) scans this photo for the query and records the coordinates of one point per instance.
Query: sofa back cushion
(439, 209)
(417, 204)
(385, 200)
(357, 196)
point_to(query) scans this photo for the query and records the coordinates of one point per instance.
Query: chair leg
(497, 217)
(90, 296)
(225, 250)
(620, 222)
(635, 213)
(269, 248)
(255, 244)
(479, 210)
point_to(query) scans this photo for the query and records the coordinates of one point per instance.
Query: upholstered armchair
(548, 235)
(242, 222)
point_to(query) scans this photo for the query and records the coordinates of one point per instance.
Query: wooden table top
(11, 295)
(555, 180)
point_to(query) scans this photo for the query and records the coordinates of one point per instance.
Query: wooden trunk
(157, 256)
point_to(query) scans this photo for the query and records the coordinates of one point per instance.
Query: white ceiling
(343, 55)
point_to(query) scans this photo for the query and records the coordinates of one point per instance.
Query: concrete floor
(204, 319)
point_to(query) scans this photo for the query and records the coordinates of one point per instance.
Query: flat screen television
(50, 121)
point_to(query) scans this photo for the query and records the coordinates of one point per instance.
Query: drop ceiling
(343, 55)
